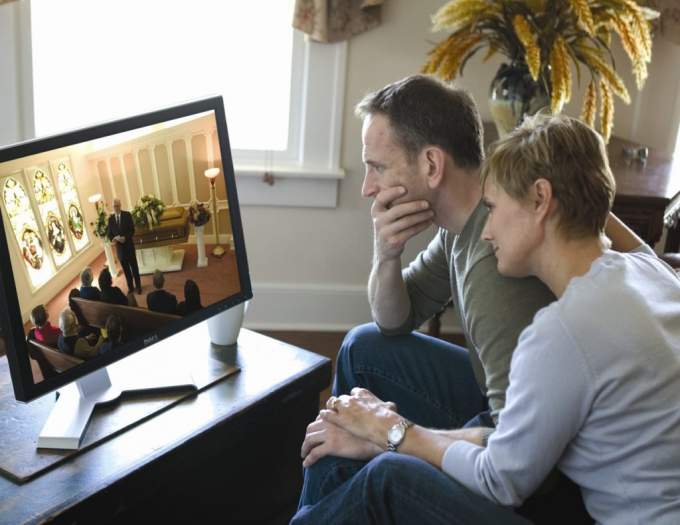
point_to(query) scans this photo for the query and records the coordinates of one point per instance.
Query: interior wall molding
(318, 308)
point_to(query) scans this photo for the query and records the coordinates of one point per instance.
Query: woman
(71, 342)
(84, 329)
(192, 299)
(43, 331)
(593, 380)
(110, 294)
(114, 333)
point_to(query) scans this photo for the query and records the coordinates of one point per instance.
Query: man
(422, 147)
(161, 300)
(121, 228)
(593, 382)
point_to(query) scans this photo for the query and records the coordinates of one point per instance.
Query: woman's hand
(362, 414)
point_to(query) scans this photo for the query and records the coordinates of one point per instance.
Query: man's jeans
(433, 384)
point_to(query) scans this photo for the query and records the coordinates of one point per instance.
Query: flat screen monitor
(170, 174)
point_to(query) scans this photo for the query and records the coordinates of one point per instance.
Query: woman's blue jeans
(432, 383)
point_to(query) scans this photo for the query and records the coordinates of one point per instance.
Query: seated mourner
(43, 330)
(593, 380)
(111, 294)
(71, 342)
(87, 291)
(114, 333)
(192, 299)
(161, 300)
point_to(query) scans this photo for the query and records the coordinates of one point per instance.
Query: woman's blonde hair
(68, 323)
(568, 154)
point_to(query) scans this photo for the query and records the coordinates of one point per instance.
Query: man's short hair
(423, 111)
(158, 279)
(567, 153)
(86, 276)
(39, 316)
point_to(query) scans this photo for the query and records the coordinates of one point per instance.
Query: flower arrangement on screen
(100, 226)
(148, 211)
(199, 214)
(548, 36)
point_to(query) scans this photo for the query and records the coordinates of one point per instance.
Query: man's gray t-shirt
(493, 309)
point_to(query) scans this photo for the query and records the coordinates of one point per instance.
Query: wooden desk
(232, 451)
(642, 190)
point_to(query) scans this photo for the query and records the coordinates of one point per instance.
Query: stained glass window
(26, 231)
(71, 202)
(43, 190)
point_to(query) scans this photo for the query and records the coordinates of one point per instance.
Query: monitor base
(65, 427)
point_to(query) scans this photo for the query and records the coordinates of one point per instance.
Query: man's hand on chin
(394, 222)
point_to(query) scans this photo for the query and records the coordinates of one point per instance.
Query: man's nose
(369, 188)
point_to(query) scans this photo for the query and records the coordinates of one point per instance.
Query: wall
(309, 266)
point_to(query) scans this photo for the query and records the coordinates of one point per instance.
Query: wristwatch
(396, 433)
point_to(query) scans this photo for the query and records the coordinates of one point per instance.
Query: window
(95, 61)
(48, 229)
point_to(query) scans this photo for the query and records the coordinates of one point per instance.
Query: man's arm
(109, 229)
(393, 226)
(623, 238)
(129, 230)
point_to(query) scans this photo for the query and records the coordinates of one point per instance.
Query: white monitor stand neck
(65, 427)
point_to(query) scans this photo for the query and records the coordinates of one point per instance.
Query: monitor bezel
(13, 331)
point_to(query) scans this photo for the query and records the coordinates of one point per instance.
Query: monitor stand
(65, 427)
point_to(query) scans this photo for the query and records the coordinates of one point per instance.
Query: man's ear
(433, 163)
(542, 198)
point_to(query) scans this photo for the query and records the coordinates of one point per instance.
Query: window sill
(288, 186)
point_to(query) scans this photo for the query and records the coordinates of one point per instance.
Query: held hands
(352, 427)
(394, 224)
(324, 439)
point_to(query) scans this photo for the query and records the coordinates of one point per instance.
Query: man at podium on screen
(120, 230)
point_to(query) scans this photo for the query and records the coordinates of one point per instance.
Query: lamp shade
(94, 198)
(212, 173)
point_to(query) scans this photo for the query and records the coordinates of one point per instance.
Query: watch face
(395, 434)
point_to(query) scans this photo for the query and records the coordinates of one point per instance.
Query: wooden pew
(136, 321)
(50, 360)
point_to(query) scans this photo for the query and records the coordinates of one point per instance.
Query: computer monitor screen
(115, 237)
